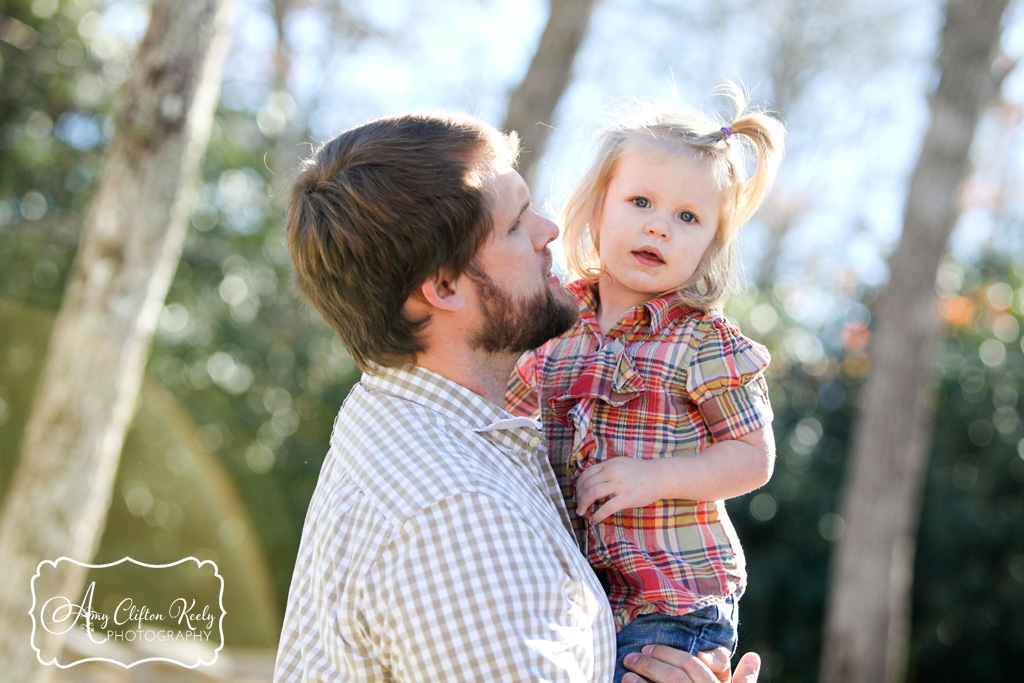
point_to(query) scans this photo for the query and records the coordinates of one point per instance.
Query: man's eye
(641, 202)
(687, 217)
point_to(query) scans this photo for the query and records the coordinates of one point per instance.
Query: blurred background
(243, 380)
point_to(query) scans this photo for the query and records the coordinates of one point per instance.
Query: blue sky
(855, 127)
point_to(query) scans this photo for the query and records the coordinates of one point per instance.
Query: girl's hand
(625, 482)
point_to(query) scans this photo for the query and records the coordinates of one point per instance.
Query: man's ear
(442, 291)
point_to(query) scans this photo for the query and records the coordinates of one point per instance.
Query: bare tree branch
(532, 105)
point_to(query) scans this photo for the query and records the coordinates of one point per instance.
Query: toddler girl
(654, 405)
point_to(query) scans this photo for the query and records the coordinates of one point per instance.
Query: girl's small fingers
(590, 494)
(583, 501)
(605, 511)
(588, 474)
(585, 504)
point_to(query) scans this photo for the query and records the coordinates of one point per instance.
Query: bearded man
(436, 546)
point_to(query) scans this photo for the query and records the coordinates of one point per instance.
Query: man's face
(522, 304)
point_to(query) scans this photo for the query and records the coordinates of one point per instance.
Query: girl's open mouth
(648, 257)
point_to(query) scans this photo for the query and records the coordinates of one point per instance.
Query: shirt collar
(666, 309)
(660, 311)
(455, 402)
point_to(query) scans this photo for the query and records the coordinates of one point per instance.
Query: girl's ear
(442, 291)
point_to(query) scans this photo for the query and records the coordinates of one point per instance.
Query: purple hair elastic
(727, 131)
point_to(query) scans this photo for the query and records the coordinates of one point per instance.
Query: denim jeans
(703, 629)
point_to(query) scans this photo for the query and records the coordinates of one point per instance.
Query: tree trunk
(532, 105)
(868, 615)
(130, 246)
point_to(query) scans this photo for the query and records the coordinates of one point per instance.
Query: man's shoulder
(404, 457)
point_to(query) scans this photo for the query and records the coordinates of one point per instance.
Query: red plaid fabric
(668, 380)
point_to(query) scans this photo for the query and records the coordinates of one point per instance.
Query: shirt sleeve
(725, 380)
(472, 593)
(521, 397)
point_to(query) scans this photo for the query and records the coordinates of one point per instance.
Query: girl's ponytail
(763, 136)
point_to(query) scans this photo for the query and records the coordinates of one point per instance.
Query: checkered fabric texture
(436, 547)
(667, 381)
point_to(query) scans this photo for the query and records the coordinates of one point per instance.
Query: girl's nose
(656, 227)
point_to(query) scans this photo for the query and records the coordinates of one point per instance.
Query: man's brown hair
(380, 209)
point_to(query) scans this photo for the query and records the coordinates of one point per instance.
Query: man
(436, 546)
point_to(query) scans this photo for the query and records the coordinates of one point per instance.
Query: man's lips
(649, 256)
(548, 274)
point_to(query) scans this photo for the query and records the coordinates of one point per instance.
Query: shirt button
(534, 442)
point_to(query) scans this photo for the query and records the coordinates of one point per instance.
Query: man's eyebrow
(519, 216)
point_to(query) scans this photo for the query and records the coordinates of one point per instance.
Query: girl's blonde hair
(727, 147)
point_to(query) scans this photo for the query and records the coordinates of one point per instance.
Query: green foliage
(53, 124)
(969, 568)
(787, 526)
(261, 378)
(52, 128)
(969, 573)
(259, 375)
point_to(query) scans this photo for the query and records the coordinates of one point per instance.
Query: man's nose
(544, 233)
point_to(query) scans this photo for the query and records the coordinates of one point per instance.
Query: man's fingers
(748, 668)
(663, 664)
(658, 671)
(718, 661)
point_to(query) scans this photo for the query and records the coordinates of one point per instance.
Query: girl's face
(657, 220)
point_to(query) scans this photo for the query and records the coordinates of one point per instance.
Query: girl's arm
(723, 470)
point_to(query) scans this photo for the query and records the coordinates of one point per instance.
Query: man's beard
(516, 325)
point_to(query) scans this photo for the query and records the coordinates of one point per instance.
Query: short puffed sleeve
(725, 380)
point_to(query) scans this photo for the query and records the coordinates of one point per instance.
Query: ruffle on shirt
(610, 376)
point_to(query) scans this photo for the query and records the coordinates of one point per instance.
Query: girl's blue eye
(642, 202)
(687, 217)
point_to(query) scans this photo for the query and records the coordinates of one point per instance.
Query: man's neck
(484, 374)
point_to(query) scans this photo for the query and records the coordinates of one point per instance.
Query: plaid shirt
(668, 380)
(437, 548)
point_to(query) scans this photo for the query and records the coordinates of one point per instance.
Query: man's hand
(663, 664)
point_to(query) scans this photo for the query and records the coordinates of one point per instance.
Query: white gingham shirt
(437, 548)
